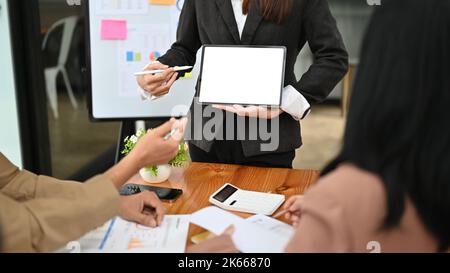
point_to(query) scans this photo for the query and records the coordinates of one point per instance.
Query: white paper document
(214, 219)
(257, 234)
(273, 225)
(124, 236)
(90, 242)
(262, 234)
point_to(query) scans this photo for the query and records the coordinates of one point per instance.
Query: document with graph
(123, 236)
(257, 234)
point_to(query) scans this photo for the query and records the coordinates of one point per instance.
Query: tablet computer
(245, 75)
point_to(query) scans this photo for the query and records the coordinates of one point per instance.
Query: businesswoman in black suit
(289, 23)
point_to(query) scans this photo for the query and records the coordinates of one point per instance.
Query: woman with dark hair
(289, 23)
(389, 189)
(391, 182)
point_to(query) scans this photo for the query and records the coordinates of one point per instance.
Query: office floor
(75, 140)
(322, 134)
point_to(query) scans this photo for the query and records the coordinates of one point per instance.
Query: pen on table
(281, 213)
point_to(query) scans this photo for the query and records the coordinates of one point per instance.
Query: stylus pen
(150, 72)
(169, 135)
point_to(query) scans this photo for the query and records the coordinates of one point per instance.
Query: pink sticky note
(114, 30)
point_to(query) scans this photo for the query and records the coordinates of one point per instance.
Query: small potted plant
(160, 173)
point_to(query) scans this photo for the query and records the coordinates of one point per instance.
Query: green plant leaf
(130, 144)
(153, 170)
(181, 158)
(178, 161)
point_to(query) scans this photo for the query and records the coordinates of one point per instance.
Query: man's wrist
(133, 162)
(124, 170)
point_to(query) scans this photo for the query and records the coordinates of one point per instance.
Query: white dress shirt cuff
(144, 94)
(294, 103)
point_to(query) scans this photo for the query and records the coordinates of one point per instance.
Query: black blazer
(213, 22)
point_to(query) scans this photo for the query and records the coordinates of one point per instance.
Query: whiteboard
(113, 59)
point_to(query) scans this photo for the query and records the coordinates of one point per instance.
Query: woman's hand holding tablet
(251, 111)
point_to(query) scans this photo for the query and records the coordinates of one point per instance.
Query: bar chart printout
(170, 237)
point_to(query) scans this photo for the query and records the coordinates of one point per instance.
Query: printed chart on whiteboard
(138, 44)
(125, 36)
(145, 44)
(113, 7)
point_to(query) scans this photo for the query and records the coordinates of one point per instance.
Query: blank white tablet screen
(242, 75)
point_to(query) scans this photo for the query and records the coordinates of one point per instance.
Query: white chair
(51, 73)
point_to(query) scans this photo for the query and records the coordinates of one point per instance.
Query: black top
(213, 22)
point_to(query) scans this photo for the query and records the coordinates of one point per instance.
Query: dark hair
(399, 119)
(272, 10)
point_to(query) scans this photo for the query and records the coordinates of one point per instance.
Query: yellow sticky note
(162, 2)
(137, 57)
(187, 75)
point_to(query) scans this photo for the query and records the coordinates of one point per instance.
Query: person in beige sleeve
(42, 214)
(389, 188)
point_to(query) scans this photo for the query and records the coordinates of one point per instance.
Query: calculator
(230, 197)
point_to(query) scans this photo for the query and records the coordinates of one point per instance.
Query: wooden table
(199, 181)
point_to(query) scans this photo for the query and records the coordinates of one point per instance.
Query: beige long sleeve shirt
(41, 214)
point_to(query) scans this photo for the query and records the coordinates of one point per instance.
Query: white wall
(9, 124)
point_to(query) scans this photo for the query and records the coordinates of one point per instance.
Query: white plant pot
(164, 172)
